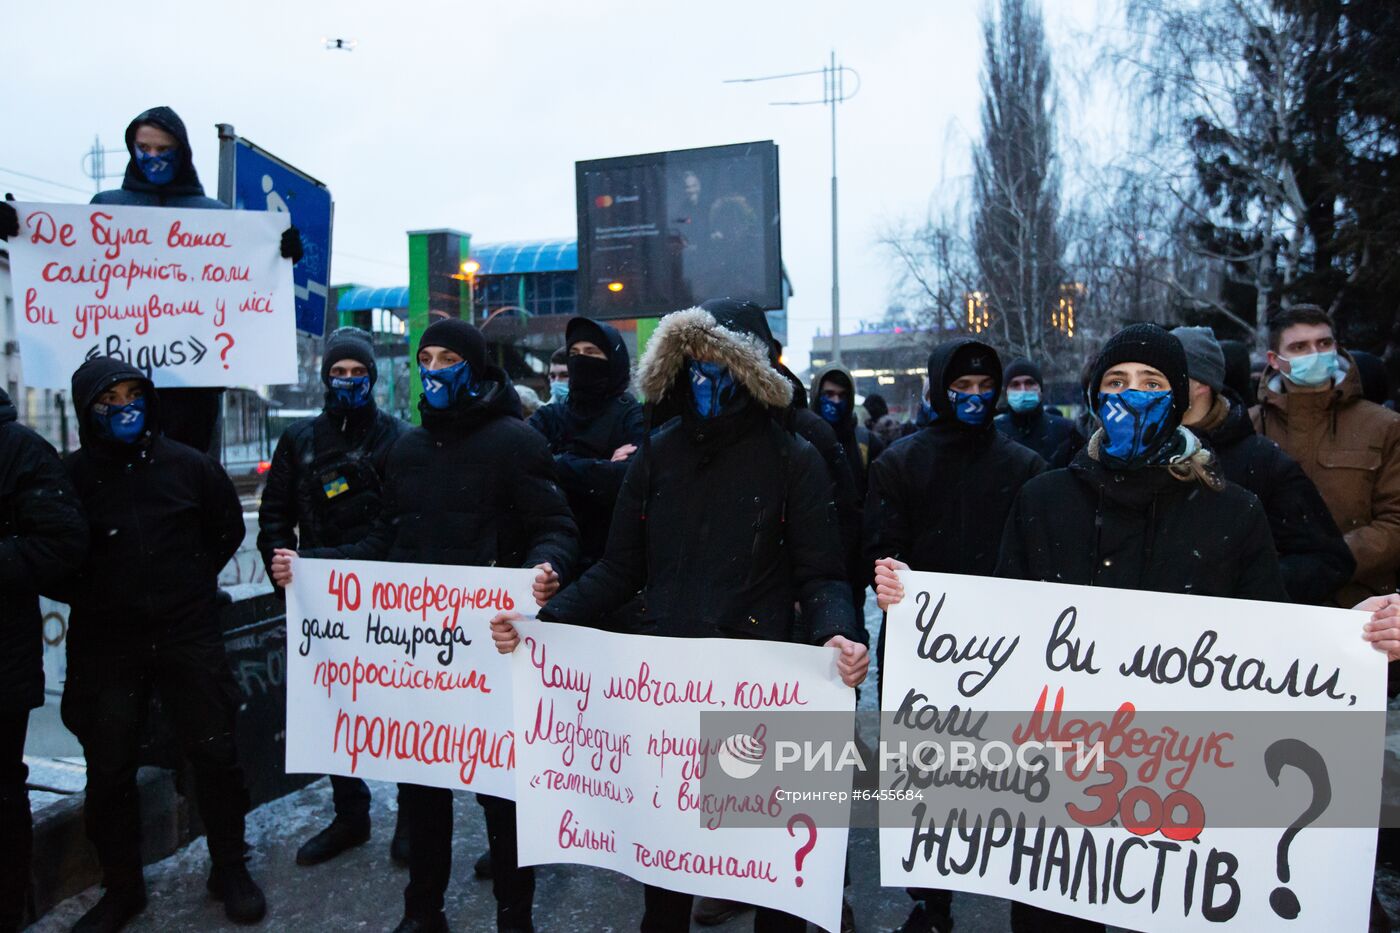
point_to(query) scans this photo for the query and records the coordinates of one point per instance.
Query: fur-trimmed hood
(696, 335)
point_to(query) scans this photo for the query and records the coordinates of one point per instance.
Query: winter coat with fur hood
(1350, 449)
(722, 523)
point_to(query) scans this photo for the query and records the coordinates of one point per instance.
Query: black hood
(939, 361)
(7, 408)
(496, 400)
(607, 339)
(186, 180)
(799, 391)
(98, 375)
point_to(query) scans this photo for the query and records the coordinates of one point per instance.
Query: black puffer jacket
(1140, 530)
(324, 486)
(43, 538)
(1312, 554)
(723, 523)
(860, 445)
(584, 432)
(164, 520)
(473, 486)
(1043, 431)
(939, 498)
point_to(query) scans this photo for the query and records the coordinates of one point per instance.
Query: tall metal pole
(834, 96)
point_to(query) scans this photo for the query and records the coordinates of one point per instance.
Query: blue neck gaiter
(833, 412)
(350, 392)
(158, 169)
(442, 387)
(1134, 421)
(973, 409)
(122, 423)
(712, 385)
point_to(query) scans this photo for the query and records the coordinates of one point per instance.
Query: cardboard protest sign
(190, 297)
(392, 674)
(1152, 761)
(615, 768)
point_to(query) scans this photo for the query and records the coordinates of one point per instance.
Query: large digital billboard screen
(669, 230)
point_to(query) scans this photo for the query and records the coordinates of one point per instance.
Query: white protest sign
(1151, 761)
(613, 766)
(392, 674)
(190, 297)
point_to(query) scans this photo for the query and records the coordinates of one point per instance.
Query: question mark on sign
(811, 843)
(223, 354)
(1305, 758)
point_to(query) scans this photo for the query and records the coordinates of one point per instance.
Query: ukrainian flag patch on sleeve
(335, 487)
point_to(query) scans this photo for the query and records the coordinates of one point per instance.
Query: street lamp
(833, 93)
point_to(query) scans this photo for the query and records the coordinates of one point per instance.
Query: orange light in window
(614, 286)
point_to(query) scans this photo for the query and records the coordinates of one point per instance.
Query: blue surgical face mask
(972, 408)
(1133, 421)
(1023, 400)
(559, 391)
(1312, 370)
(350, 391)
(833, 411)
(123, 423)
(158, 169)
(442, 387)
(711, 387)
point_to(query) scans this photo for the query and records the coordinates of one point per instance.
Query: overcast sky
(471, 115)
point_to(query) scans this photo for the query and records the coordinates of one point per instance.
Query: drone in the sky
(341, 45)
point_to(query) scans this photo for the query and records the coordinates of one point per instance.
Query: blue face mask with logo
(712, 386)
(833, 411)
(1023, 400)
(559, 391)
(1312, 370)
(972, 408)
(442, 387)
(350, 391)
(122, 423)
(1134, 421)
(158, 169)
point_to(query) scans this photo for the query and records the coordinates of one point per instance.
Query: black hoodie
(43, 537)
(939, 498)
(584, 432)
(164, 518)
(184, 190)
(474, 487)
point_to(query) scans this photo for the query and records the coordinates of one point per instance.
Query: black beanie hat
(1152, 346)
(973, 359)
(349, 343)
(459, 337)
(1024, 367)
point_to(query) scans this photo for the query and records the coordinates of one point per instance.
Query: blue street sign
(263, 182)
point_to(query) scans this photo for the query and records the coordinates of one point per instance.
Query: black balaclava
(593, 381)
(186, 180)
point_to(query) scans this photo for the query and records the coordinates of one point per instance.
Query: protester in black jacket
(724, 522)
(594, 431)
(1027, 421)
(43, 537)
(323, 490)
(833, 398)
(164, 521)
(938, 502)
(474, 486)
(1313, 556)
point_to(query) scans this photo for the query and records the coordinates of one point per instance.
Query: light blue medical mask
(158, 169)
(122, 423)
(442, 387)
(1134, 421)
(1312, 370)
(972, 408)
(1023, 400)
(559, 391)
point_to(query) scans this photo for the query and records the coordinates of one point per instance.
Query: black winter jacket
(1041, 430)
(723, 523)
(582, 435)
(164, 521)
(324, 486)
(43, 538)
(1140, 530)
(1312, 554)
(474, 487)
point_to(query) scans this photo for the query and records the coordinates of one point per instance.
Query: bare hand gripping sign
(392, 674)
(1152, 761)
(190, 297)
